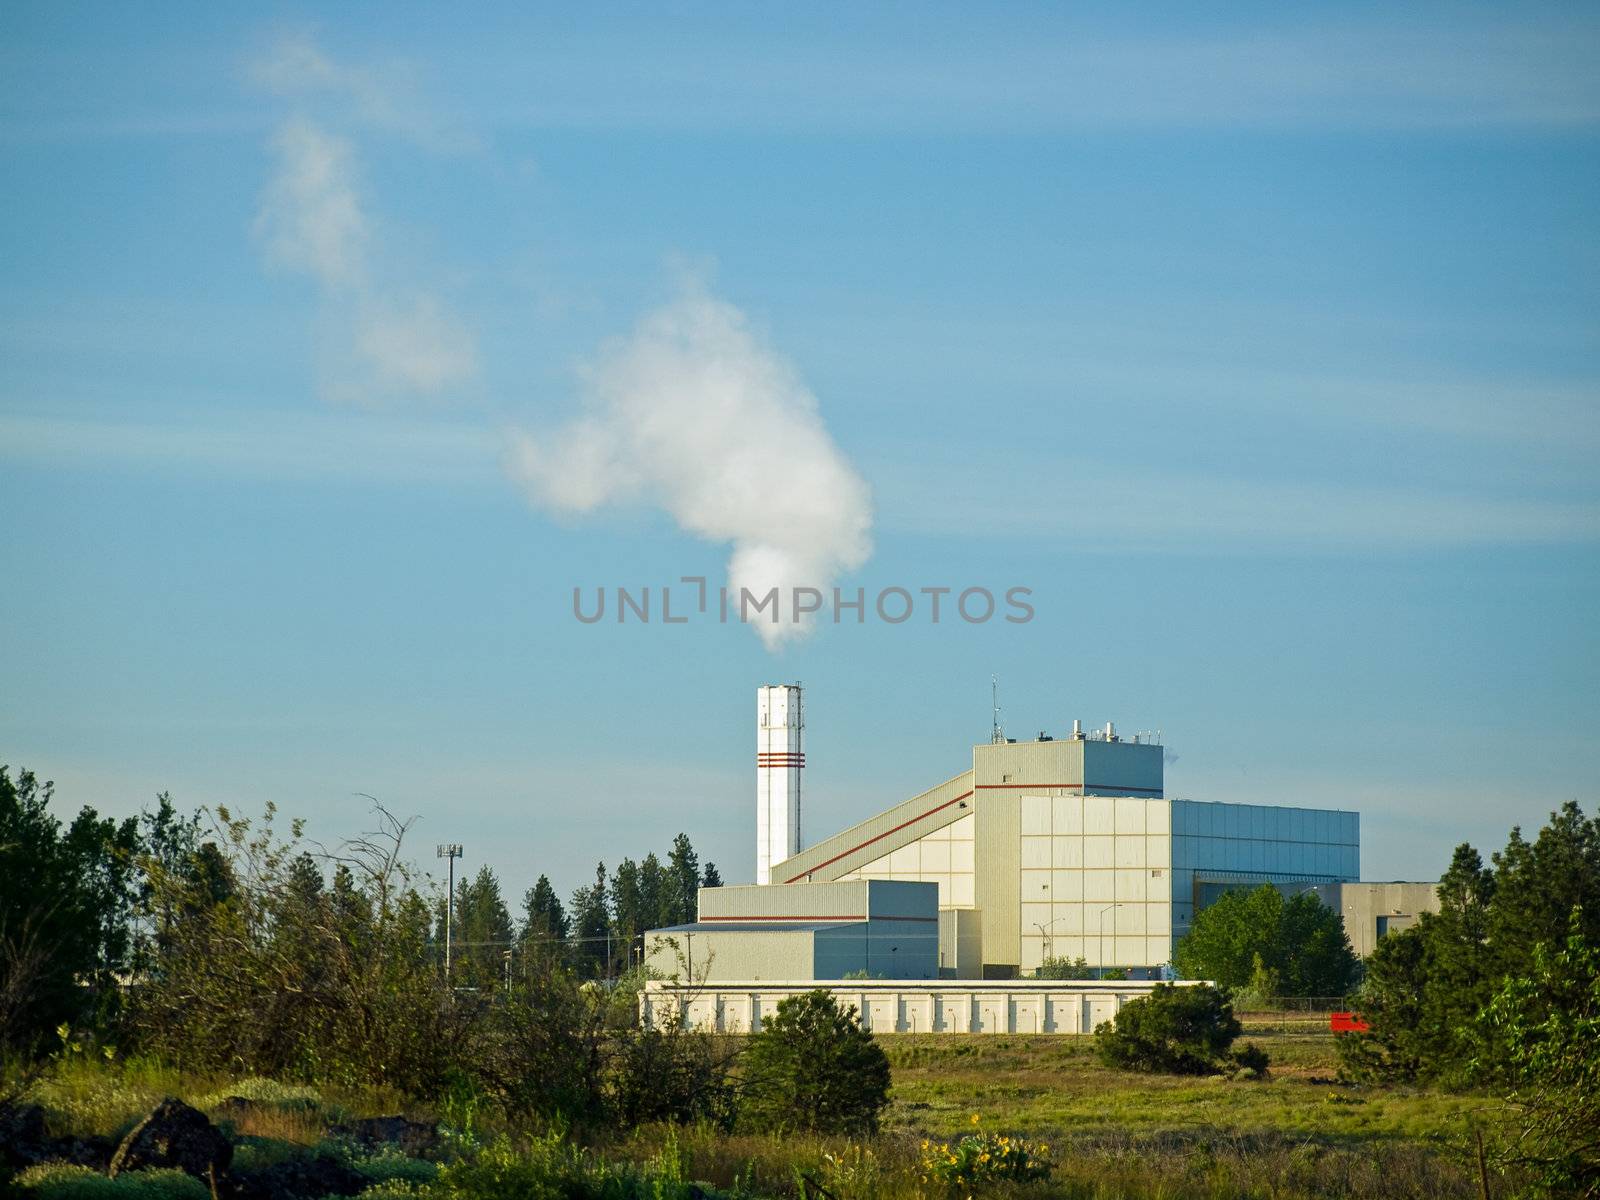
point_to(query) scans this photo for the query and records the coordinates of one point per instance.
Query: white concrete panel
(1066, 886)
(1158, 851)
(935, 856)
(1099, 852)
(1130, 850)
(1132, 885)
(1035, 886)
(1129, 918)
(1099, 814)
(1035, 915)
(1035, 851)
(938, 835)
(1066, 814)
(1035, 814)
(1158, 816)
(961, 830)
(1066, 851)
(1130, 815)
(1066, 919)
(1099, 886)
(1032, 951)
(907, 858)
(1069, 947)
(961, 858)
(1158, 919)
(1157, 950)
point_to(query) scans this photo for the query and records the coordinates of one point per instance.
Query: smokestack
(780, 757)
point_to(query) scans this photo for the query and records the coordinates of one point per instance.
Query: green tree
(482, 931)
(545, 926)
(682, 883)
(1300, 940)
(1547, 1019)
(711, 878)
(1185, 1030)
(812, 1068)
(1427, 987)
(591, 923)
(67, 901)
(1065, 968)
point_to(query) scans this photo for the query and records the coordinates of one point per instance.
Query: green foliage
(1426, 987)
(1547, 1020)
(66, 906)
(981, 1160)
(59, 1181)
(1250, 937)
(554, 1169)
(1174, 1030)
(1064, 968)
(281, 975)
(481, 932)
(812, 1067)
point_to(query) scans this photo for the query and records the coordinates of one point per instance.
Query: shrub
(551, 1169)
(1177, 1030)
(981, 1159)
(1064, 968)
(812, 1067)
(59, 1181)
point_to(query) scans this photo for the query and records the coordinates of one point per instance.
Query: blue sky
(1260, 346)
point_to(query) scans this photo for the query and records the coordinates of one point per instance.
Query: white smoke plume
(694, 413)
(389, 340)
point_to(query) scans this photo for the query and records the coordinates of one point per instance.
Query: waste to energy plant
(1060, 847)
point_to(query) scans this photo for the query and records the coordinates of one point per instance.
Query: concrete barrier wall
(944, 1006)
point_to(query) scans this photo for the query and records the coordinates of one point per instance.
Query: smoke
(695, 414)
(386, 338)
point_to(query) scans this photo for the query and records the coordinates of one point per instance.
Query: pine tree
(591, 921)
(711, 878)
(683, 883)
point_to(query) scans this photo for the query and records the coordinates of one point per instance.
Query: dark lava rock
(174, 1135)
(412, 1137)
(92, 1151)
(23, 1140)
(299, 1179)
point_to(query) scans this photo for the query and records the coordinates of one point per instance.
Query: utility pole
(450, 851)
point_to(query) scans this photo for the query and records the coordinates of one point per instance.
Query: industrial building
(1067, 847)
(1372, 910)
(1063, 847)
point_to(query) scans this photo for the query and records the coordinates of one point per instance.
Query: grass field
(1298, 1133)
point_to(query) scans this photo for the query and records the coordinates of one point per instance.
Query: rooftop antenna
(997, 735)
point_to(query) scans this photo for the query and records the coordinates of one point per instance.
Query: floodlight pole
(449, 851)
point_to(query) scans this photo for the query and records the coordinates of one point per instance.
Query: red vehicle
(1347, 1022)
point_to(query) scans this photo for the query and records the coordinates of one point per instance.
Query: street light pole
(449, 851)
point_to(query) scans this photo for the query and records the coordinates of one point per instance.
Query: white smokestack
(780, 757)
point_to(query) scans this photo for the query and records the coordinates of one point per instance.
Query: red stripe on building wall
(879, 917)
(879, 837)
(982, 787)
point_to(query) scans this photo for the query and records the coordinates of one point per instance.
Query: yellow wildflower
(974, 1118)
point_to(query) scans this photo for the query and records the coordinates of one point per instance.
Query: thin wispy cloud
(695, 414)
(384, 339)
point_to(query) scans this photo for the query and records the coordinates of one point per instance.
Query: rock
(92, 1151)
(23, 1140)
(412, 1137)
(174, 1135)
(299, 1179)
